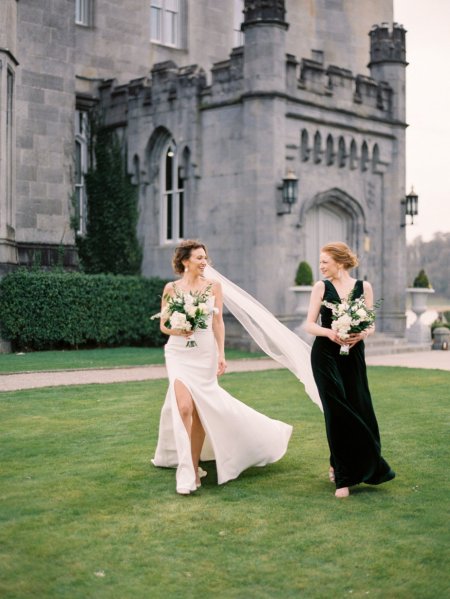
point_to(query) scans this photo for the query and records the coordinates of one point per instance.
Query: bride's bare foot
(341, 493)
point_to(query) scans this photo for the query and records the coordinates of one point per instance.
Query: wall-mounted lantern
(290, 189)
(411, 206)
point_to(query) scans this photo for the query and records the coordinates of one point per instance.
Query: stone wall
(45, 112)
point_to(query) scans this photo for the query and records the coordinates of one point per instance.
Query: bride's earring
(186, 269)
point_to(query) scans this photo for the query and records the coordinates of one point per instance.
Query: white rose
(203, 308)
(344, 321)
(178, 321)
(191, 310)
(188, 299)
(361, 313)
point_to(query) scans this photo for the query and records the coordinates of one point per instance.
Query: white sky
(428, 111)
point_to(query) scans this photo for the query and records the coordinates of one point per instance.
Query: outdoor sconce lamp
(290, 189)
(411, 204)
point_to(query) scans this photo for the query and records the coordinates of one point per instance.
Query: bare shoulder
(319, 288)
(367, 286)
(215, 285)
(169, 288)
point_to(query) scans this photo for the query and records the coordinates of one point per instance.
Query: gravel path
(30, 380)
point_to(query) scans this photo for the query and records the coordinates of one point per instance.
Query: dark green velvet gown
(351, 425)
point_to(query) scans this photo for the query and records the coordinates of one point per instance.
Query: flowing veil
(276, 340)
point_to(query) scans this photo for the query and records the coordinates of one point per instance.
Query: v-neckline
(341, 299)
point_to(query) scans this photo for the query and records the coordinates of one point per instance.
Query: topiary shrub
(421, 281)
(51, 310)
(304, 275)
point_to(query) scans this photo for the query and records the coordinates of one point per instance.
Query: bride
(199, 419)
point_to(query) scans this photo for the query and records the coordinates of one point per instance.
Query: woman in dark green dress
(351, 425)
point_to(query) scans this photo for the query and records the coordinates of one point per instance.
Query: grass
(92, 358)
(85, 515)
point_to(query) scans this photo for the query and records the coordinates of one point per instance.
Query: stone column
(8, 67)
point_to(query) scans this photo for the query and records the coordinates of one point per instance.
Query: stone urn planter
(419, 299)
(302, 293)
(419, 332)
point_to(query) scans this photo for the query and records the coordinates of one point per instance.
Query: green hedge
(48, 310)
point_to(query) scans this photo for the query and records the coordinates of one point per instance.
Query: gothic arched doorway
(330, 216)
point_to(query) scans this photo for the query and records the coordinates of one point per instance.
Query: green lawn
(85, 515)
(92, 358)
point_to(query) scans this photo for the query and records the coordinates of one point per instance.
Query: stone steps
(381, 344)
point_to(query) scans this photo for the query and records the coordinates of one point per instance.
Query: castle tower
(265, 44)
(263, 118)
(388, 63)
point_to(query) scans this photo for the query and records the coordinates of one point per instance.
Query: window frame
(169, 28)
(83, 13)
(81, 141)
(173, 200)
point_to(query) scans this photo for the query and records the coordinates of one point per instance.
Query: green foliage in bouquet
(52, 310)
(304, 275)
(421, 281)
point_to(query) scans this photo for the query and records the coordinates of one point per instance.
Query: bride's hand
(181, 332)
(221, 365)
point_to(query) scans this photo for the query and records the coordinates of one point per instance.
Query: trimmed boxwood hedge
(49, 310)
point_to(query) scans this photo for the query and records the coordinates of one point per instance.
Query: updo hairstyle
(183, 252)
(341, 253)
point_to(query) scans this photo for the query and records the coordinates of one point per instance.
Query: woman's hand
(221, 365)
(334, 336)
(355, 338)
(181, 332)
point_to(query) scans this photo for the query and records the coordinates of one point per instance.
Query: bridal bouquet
(350, 316)
(186, 311)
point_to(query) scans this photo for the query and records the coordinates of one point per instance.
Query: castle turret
(265, 44)
(388, 62)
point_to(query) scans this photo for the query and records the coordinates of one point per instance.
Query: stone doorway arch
(332, 215)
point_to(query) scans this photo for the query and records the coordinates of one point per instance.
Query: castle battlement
(387, 45)
(339, 88)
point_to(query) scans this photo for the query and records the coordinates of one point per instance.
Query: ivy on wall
(110, 244)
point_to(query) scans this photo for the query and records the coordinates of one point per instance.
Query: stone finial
(387, 45)
(264, 11)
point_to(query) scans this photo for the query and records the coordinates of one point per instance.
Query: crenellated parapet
(168, 87)
(340, 88)
(227, 76)
(387, 45)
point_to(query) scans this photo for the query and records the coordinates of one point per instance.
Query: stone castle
(219, 105)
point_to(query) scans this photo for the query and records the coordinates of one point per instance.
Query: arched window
(136, 170)
(172, 194)
(305, 149)
(364, 156)
(330, 150)
(353, 155)
(317, 148)
(342, 153)
(375, 158)
(81, 167)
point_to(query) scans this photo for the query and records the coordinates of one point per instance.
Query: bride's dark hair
(183, 252)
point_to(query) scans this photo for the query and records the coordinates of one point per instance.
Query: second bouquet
(350, 316)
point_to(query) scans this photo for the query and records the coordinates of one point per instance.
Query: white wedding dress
(237, 436)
